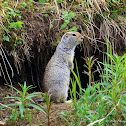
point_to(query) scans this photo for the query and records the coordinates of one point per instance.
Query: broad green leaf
(71, 15)
(51, 26)
(73, 29)
(5, 4)
(41, 1)
(58, 41)
(46, 15)
(59, 1)
(19, 24)
(24, 5)
(15, 45)
(12, 25)
(65, 15)
(6, 38)
(17, 11)
(65, 24)
(19, 42)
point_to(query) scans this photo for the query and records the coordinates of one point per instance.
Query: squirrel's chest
(62, 59)
(70, 57)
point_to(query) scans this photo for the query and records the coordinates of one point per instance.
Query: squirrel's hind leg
(57, 100)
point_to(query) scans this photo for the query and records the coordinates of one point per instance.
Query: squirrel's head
(72, 39)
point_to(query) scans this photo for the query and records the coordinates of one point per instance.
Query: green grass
(24, 101)
(102, 103)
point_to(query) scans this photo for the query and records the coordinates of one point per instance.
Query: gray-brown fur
(57, 73)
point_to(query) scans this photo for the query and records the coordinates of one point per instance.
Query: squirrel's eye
(74, 34)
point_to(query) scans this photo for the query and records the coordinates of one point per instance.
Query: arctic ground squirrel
(57, 73)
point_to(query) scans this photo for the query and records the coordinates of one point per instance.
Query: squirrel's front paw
(71, 65)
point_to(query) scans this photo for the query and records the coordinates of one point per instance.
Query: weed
(24, 5)
(67, 17)
(51, 26)
(41, 1)
(104, 101)
(46, 97)
(23, 101)
(6, 38)
(17, 25)
(114, 79)
(12, 25)
(73, 29)
(89, 63)
(11, 14)
(13, 118)
(46, 111)
(46, 15)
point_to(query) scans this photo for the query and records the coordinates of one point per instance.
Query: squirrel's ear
(66, 36)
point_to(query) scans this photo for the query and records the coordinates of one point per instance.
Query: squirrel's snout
(82, 38)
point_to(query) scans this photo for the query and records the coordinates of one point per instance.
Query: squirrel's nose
(82, 38)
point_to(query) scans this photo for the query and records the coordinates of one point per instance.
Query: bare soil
(38, 117)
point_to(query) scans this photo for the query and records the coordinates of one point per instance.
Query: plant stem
(48, 118)
(117, 117)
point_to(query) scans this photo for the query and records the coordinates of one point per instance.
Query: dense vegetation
(28, 27)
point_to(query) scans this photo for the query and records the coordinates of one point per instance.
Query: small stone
(12, 100)
(2, 123)
(19, 103)
(68, 102)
